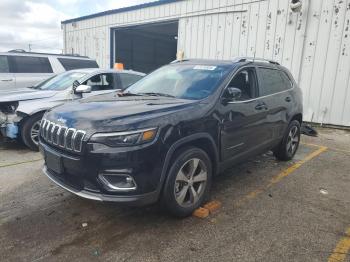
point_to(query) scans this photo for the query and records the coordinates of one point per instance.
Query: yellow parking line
(342, 249)
(329, 148)
(20, 163)
(282, 175)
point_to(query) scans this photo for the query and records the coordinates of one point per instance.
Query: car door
(275, 97)
(242, 121)
(101, 83)
(7, 78)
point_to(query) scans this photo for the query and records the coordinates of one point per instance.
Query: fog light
(117, 182)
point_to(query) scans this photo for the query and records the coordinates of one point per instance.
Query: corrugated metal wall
(313, 44)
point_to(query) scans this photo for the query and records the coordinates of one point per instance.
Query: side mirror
(75, 84)
(82, 89)
(232, 94)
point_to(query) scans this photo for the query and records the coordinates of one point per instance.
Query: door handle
(6, 80)
(288, 99)
(261, 106)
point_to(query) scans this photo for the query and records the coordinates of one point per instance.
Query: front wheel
(290, 142)
(188, 183)
(30, 131)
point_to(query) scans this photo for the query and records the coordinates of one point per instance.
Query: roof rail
(178, 61)
(254, 59)
(21, 51)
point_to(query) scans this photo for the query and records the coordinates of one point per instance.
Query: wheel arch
(201, 140)
(298, 117)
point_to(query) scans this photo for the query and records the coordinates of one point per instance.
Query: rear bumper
(138, 200)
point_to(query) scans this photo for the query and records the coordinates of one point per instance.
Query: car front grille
(61, 136)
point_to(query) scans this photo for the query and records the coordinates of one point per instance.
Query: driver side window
(101, 82)
(245, 81)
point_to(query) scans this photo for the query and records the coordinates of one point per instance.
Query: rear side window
(71, 64)
(4, 65)
(270, 81)
(287, 82)
(30, 64)
(128, 79)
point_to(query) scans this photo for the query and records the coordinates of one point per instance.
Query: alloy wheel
(190, 182)
(293, 140)
(34, 132)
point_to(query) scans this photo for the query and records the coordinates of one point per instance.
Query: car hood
(109, 113)
(25, 94)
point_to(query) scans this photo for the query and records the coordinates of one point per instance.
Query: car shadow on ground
(6, 144)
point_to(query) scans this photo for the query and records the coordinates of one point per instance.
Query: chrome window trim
(257, 98)
(260, 97)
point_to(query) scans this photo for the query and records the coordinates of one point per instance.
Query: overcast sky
(38, 22)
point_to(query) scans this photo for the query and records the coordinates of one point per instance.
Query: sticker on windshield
(203, 67)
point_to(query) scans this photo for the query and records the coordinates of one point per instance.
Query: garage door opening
(144, 48)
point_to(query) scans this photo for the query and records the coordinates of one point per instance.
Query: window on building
(30, 64)
(71, 64)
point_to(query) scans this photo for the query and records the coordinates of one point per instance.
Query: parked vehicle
(171, 132)
(21, 110)
(19, 69)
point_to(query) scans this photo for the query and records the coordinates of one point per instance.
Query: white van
(19, 69)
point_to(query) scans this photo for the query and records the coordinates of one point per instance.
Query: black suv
(166, 136)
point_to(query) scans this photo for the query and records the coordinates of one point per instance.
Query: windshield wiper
(120, 94)
(156, 94)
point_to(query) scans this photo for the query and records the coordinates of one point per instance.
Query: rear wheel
(290, 142)
(188, 183)
(30, 131)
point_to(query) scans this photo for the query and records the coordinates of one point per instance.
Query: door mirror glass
(83, 89)
(232, 94)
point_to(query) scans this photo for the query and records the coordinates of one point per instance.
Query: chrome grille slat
(61, 136)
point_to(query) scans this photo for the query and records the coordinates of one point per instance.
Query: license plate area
(53, 162)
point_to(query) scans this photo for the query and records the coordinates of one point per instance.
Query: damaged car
(21, 111)
(165, 137)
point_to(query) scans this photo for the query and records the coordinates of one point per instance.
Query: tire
(289, 145)
(28, 130)
(186, 191)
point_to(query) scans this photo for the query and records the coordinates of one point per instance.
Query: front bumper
(9, 130)
(9, 126)
(144, 199)
(80, 173)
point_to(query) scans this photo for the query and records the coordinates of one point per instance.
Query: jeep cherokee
(166, 136)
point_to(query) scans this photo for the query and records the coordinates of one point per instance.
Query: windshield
(193, 82)
(61, 81)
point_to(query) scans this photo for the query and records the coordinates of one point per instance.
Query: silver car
(20, 69)
(21, 110)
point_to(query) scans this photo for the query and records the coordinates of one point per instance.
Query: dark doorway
(144, 48)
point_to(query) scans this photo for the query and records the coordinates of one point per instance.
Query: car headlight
(9, 107)
(128, 138)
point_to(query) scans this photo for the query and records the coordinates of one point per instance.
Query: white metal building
(313, 43)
